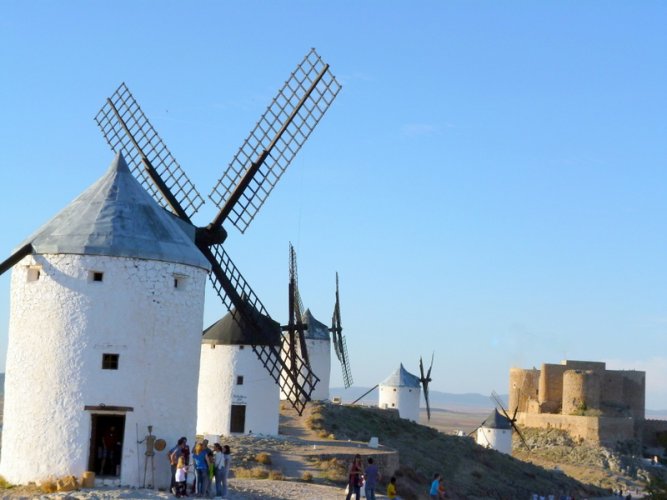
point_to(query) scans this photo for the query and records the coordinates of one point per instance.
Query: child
(391, 488)
(179, 477)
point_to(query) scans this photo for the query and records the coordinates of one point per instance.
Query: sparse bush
(254, 473)
(263, 458)
(276, 475)
(4, 484)
(48, 486)
(307, 477)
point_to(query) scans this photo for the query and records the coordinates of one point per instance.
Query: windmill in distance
(425, 380)
(512, 420)
(340, 345)
(295, 338)
(239, 194)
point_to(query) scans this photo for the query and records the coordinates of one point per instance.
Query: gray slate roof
(228, 331)
(496, 421)
(402, 378)
(116, 217)
(316, 330)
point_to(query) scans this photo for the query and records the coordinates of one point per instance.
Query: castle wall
(598, 366)
(60, 326)
(612, 399)
(551, 388)
(650, 431)
(596, 430)
(524, 387)
(581, 391)
(634, 392)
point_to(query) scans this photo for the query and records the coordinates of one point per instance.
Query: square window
(34, 272)
(97, 276)
(239, 380)
(109, 361)
(180, 281)
(241, 347)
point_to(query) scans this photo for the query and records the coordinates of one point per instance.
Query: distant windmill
(295, 347)
(340, 345)
(425, 380)
(496, 430)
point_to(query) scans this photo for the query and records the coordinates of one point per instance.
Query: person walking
(435, 483)
(355, 478)
(372, 476)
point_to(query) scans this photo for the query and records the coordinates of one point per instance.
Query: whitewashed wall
(497, 439)
(405, 399)
(61, 324)
(319, 353)
(218, 391)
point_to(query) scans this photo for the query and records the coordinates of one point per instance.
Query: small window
(97, 276)
(241, 347)
(394, 390)
(179, 281)
(109, 361)
(34, 272)
(239, 380)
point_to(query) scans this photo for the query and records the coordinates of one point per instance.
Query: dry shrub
(263, 458)
(259, 473)
(276, 475)
(334, 469)
(48, 486)
(307, 477)
(242, 473)
(322, 434)
(4, 484)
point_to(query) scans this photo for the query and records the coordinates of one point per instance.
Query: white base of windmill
(496, 439)
(62, 323)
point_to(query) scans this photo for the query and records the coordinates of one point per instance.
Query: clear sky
(490, 183)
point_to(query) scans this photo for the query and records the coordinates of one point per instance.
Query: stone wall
(581, 391)
(651, 429)
(551, 388)
(597, 430)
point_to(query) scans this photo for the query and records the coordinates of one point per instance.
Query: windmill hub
(208, 236)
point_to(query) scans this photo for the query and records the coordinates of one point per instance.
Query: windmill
(340, 346)
(512, 421)
(239, 194)
(295, 329)
(425, 380)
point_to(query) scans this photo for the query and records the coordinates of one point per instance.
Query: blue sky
(489, 184)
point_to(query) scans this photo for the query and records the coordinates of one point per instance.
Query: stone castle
(584, 398)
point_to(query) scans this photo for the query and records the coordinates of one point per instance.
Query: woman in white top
(219, 468)
(227, 457)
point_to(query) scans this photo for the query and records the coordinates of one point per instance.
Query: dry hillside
(470, 471)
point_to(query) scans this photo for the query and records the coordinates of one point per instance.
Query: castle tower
(236, 394)
(401, 391)
(495, 433)
(104, 337)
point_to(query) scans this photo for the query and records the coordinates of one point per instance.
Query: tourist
(372, 477)
(219, 468)
(391, 489)
(355, 478)
(201, 468)
(435, 483)
(174, 454)
(227, 464)
(441, 489)
(179, 477)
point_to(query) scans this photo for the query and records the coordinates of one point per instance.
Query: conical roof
(402, 378)
(116, 217)
(229, 331)
(316, 330)
(496, 421)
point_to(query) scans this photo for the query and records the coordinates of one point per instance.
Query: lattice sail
(128, 131)
(275, 140)
(340, 345)
(296, 380)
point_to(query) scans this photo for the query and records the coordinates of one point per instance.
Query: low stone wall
(597, 430)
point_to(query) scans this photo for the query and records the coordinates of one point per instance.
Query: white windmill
(236, 395)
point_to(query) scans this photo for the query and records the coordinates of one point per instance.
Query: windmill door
(237, 421)
(106, 444)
